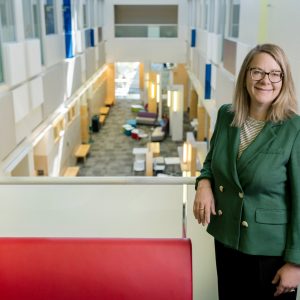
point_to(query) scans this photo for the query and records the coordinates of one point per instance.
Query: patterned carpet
(111, 150)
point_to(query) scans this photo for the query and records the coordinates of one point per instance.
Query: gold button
(245, 224)
(241, 195)
(220, 213)
(221, 188)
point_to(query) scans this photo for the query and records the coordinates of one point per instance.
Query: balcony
(109, 207)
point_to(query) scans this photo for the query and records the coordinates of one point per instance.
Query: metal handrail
(130, 180)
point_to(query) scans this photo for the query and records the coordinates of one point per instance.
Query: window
(7, 22)
(221, 17)
(91, 13)
(99, 19)
(81, 14)
(211, 16)
(30, 12)
(50, 16)
(84, 16)
(1, 68)
(234, 19)
(7, 28)
(206, 14)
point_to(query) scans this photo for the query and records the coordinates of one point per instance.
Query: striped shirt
(249, 131)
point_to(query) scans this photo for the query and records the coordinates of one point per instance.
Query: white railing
(146, 30)
(109, 207)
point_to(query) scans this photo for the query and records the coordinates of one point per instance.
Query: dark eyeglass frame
(264, 74)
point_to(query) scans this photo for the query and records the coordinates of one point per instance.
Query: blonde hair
(283, 107)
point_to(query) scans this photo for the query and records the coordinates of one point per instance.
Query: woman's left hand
(287, 279)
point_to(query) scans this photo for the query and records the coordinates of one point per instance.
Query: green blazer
(257, 197)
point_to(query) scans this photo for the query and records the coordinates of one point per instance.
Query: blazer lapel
(233, 146)
(261, 143)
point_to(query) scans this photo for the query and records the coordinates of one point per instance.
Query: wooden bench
(71, 171)
(82, 151)
(104, 110)
(102, 119)
(109, 102)
(96, 268)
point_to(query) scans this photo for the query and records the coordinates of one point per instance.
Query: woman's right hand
(204, 203)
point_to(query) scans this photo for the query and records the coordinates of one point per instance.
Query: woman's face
(261, 89)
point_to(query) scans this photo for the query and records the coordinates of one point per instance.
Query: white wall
(249, 21)
(283, 29)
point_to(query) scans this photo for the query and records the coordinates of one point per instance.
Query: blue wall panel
(68, 28)
(207, 91)
(193, 38)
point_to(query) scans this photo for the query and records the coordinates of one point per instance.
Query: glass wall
(50, 16)
(7, 28)
(7, 21)
(234, 19)
(31, 19)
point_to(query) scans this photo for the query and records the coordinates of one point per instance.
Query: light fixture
(152, 90)
(175, 99)
(147, 80)
(169, 98)
(158, 79)
(185, 153)
(158, 94)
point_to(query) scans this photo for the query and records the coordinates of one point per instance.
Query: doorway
(127, 80)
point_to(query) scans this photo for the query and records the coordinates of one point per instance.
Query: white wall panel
(155, 50)
(54, 49)
(21, 102)
(14, 61)
(7, 128)
(241, 52)
(22, 129)
(283, 25)
(203, 40)
(44, 145)
(214, 71)
(250, 11)
(36, 92)
(91, 211)
(33, 57)
(83, 67)
(102, 55)
(54, 84)
(35, 117)
(73, 75)
(90, 58)
(216, 48)
(225, 87)
(80, 40)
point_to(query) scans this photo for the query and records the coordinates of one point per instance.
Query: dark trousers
(247, 277)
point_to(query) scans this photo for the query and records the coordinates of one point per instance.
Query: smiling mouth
(264, 90)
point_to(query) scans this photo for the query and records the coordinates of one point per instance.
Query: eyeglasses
(258, 74)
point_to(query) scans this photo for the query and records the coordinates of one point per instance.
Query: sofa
(95, 268)
(161, 131)
(146, 118)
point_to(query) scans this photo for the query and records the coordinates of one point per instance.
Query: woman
(249, 188)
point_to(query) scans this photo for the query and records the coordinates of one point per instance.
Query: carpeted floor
(111, 150)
